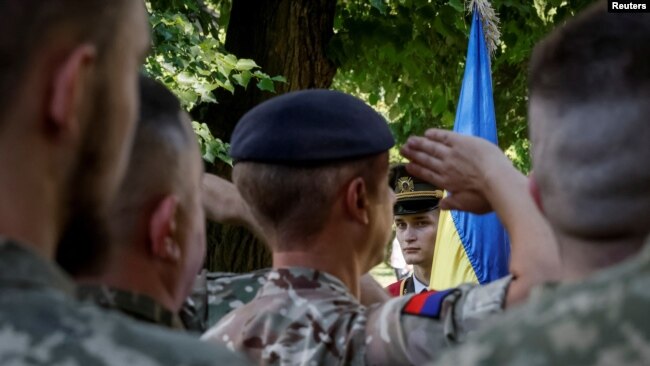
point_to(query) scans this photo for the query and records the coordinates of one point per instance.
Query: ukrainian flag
(472, 248)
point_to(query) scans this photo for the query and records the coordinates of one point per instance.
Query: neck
(129, 271)
(30, 209)
(337, 260)
(582, 258)
(423, 273)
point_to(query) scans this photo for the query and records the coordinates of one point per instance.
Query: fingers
(424, 160)
(466, 201)
(440, 136)
(432, 148)
(447, 203)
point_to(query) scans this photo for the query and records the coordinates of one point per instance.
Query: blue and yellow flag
(472, 248)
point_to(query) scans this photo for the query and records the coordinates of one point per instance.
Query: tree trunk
(284, 37)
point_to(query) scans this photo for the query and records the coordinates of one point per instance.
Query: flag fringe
(490, 20)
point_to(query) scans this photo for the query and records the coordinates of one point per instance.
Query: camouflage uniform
(41, 324)
(229, 291)
(603, 321)
(138, 306)
(216, 294)
(303, 316)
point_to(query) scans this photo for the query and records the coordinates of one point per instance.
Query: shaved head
(590, 127)
(163, 139)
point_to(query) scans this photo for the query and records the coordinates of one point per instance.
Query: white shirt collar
(418, 286)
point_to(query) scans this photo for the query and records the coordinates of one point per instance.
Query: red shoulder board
(395, 288)
(428, 304)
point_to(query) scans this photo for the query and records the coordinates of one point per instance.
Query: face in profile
(417, 236)
(110, 120)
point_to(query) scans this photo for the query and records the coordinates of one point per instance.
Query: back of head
(295, 152)
(161, 159)
(163, 151)
(27, 26)
(589, 107)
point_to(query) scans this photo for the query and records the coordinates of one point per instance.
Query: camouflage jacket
(603, 321)
(138, 306)
(306, 317)
(215, 294)
(42, 324)
(229, 291)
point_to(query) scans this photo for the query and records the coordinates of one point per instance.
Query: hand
(462, 165)
(223, 203)
(479, 176)
(371, 292)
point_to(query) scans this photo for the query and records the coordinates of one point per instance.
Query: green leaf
(279, 78)
(457, 5)
(267, 85)
(379, 5)
(245, 64)
(373, 99)
(243, 79)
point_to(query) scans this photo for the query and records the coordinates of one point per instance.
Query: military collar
(281, 280)
(136, 305)
(22, 267)
(418, 286)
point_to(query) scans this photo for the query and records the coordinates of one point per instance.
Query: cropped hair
(589, 88)
(297, 201)
(155, 169)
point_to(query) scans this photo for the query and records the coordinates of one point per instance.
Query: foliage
(211, 148)
(189, 57)
(406, 57)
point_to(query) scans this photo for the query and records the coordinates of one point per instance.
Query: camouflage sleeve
(415, 329)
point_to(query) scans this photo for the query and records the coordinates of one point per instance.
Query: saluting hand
(462, 165)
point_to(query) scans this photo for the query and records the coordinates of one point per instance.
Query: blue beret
(310, 127)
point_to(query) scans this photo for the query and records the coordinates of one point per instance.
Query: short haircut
(26, 26)
(589, 106)
(160, 150)
(296, 201)
(155, 170)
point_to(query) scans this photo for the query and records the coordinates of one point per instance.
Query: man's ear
(68, 91)
(162, 230)
(533, 189)
(356, 200)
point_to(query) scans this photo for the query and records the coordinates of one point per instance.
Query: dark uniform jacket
(402, 287)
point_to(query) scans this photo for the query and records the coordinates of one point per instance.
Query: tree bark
(284, 37)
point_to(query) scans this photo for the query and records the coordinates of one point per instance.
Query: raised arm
(223, 203)
(480, 178)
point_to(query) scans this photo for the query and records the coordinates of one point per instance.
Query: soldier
(313, 166)
(589, 92)
(156, 232)
(416, 225)
(69, 85)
